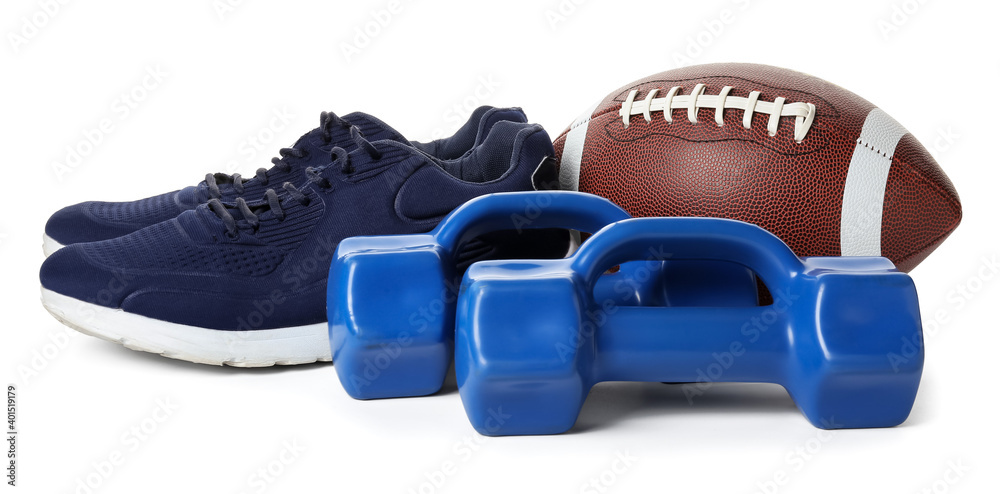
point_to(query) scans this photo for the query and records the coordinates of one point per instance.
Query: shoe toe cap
(70, 272)
(94, 221)
(66, 225)
(77, 224)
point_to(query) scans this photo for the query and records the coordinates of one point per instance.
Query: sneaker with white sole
(245, 284)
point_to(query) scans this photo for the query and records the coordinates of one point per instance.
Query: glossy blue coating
(391, 299)
(843, 335)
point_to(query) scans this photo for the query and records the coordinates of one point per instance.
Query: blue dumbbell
(531, 340)
(391, 299)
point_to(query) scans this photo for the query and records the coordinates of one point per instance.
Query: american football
(820, 167)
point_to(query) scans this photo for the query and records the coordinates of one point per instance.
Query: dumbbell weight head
(391, 299)
(827, 338)
(866, 344)
(387, 336)
(520, 346)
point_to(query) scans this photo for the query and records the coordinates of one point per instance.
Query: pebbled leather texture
(795, 190)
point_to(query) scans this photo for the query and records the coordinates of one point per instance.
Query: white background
(227, 72)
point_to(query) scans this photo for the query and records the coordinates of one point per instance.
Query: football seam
(936, 240)
(577, 124)
(826, 127)
(952, 202)
(834, 113)
(873, 148)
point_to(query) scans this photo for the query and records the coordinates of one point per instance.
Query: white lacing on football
(804, 113)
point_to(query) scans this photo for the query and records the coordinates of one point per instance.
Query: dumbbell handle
(674, 343)
(526, 210)
(691, 344)
(661, 239)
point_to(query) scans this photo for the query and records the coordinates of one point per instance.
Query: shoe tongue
(491, 116)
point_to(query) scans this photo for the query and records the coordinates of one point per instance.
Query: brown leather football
(823, 169)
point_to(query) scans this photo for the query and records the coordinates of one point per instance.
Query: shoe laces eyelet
(232, 235)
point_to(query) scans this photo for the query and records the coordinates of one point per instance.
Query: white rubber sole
(258, 348)
(49, 246)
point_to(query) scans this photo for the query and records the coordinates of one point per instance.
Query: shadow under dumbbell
(450, 382)
(612, 402)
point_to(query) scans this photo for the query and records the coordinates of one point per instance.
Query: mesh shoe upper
(93, 220)
(263, 264)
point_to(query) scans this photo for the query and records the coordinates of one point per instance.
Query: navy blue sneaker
(244, 284)
(93, 221)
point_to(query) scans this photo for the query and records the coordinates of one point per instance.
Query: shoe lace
(327, 120)
(273, 202)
